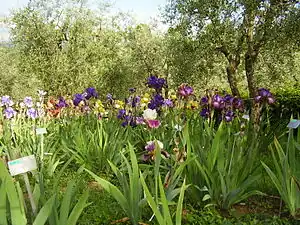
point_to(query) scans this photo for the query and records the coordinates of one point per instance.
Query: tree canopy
(241, 30)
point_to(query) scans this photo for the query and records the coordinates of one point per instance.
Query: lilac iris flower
(168, 103)
(5, 100)
(271, 100)
(139, 120)
(257, 98)
(9, 113)
(32, 113)
(28, 102)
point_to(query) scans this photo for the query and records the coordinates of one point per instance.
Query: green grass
(105, 210)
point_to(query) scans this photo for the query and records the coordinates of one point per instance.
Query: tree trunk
(233, 63)
(231, 76)
(250, 59)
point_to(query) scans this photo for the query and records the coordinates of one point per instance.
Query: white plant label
(41, 131)
(294, 124)
(22, 165)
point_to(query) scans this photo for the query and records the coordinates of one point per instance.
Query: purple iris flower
(204, 100)
(9, 112)
(218, 105)
(238, 104)
(32, 113)
(264, 95)
(263, 92)
(90, 92)
(257, 98)
(121, 114)
(61, 103)
(185, 90)
(156, 102)
(218, 98)
(229, 115)
(132, 122)
(156, 83)
(129, 120)
(28, 102)
(228, 99)
(205, 113)
(135, 101)
(124, 123)
(150, 146)
(5, 100)
(77, 99)
(218, 102)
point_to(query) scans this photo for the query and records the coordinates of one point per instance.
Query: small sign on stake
(41, 130)
(22, 165)
(294, 124)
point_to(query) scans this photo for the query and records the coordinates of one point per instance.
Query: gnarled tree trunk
(231, 76)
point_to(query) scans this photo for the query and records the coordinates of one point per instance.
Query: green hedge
(287, 103)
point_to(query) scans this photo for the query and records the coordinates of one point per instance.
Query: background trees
(63, 47)
(242, 31)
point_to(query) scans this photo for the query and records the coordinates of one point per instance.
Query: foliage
(162, 213)
(286, 175)
(209, 216)
(225, 165)
(65, 46)
(11, 201)
(288, 102)
(239, 32)
(89, 142)
(130, 195)
(57, 213)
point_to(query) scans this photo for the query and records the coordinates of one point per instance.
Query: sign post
(22, 166)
